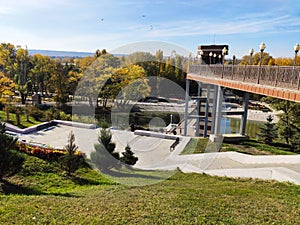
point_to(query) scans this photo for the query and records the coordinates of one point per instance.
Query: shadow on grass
(84, 181)
(130, 172)
(8, 188)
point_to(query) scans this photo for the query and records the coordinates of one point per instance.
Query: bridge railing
(276, 76)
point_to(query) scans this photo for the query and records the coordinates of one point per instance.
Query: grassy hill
(42, 194)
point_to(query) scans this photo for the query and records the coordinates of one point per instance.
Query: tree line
(58, 78)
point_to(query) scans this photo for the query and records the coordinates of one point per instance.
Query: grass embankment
(251, 147)
(254, 147)
(88, 198)
(23, 121)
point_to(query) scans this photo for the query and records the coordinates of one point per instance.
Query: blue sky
(77, 25)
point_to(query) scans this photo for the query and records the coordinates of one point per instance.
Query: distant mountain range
(60, 54)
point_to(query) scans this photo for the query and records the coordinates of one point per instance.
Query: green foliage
(128, 156)
(71, 147)
(104, 157)
(195, 146)
(289, 121)
(10, 161)
(70, 162)
(34, 165)
(295, 142)
(268, 132)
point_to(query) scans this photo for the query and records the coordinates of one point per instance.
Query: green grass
(252, 147)
(255, 147)
(23, 121)
(195, 146)
(42, 194)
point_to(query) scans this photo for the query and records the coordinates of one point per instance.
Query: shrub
(10, 160)
(36, 113)
(70, 162)
(128, 156)
(268, 132)
(295, 143)
(105, 156)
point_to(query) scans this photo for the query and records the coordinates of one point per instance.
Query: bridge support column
(217, 137)
(206, 110)
(218, 115)
(213, 113)
(197, 132)
(245, 114)
(186, 111)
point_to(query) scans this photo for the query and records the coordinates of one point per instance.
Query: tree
(11, 161)
(41, 72)
(104, 157)
(129, 83)
(59, 82)
(7, 59)
(289, 119)
(268, 131)
(21, 68)
(6, 88)
(70, 162)
(128, 156)
(295, 142)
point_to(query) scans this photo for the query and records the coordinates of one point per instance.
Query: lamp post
(200, 56)
(251, 51)
(262, 47)
(210, 55)
(215, 55)
(232, 71)
(220, 59)
(224, 52)
(296, 49)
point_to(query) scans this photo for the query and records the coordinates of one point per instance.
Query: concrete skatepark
(154, 153)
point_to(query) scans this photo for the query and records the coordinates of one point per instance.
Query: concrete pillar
(245, 114)
(198, 111)
(213, 112)
(218, 115)
(206, 111)
(186, 111)
(199, 88)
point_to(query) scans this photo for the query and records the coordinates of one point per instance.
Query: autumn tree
(59, 82)
(267, 59)
(6, 88)
(129, 83)
(43, 67)
(7, 59)
(21, 68)
(93, 82)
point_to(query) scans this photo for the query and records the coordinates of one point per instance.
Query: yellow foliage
(6, 88)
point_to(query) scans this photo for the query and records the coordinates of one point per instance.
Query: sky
(77, 25)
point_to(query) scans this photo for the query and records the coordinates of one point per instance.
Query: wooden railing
(277, 76)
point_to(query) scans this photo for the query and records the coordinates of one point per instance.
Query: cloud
(236, 26)
(6, 10)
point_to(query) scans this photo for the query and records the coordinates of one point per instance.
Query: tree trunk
(23, 98)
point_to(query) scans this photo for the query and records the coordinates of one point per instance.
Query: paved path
(154, 153)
